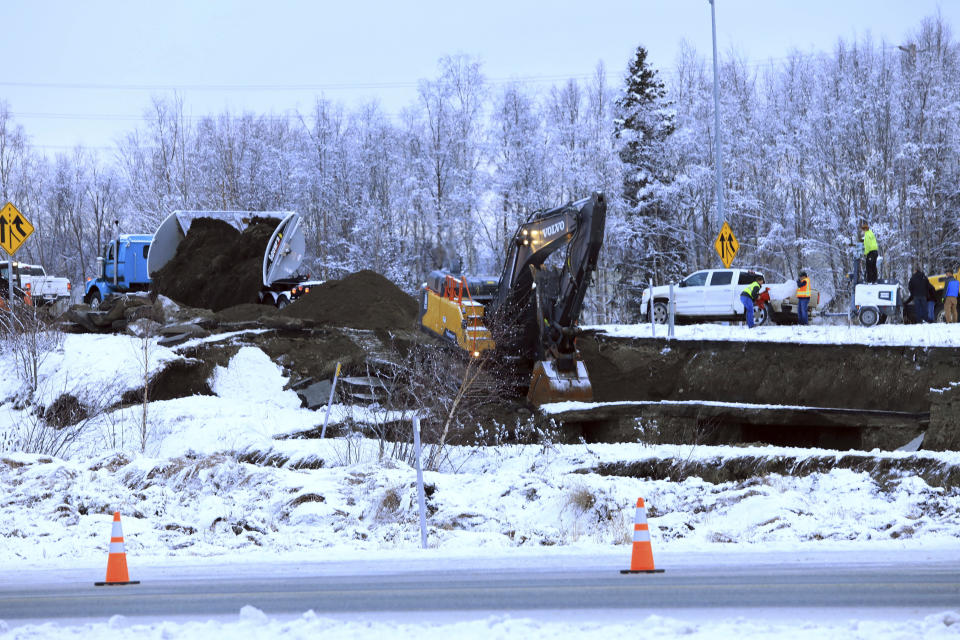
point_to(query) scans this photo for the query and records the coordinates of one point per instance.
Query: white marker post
(671, 307)
(653, 325)
(420, 496)
(333, 387)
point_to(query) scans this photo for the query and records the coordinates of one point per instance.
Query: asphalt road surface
(870, 586)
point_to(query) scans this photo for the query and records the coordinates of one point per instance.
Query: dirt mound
(245, 313)
(362, 300)
(216, 266)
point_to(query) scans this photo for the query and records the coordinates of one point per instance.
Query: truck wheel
(94, 299)
(761, 316)
(282, 302)
(939, 314)
(869, 316)
(661, 312)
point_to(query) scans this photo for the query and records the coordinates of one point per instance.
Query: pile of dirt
(849, 376)
(216, 266)
(362, 300)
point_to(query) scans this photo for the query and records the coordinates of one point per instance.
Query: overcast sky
(83, 72)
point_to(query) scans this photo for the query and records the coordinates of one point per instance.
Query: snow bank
(91, 367)
(221, 506)
(253, 624)
(917, 335)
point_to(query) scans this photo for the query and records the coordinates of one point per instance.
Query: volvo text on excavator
(541, 305)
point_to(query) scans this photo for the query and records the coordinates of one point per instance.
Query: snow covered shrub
(595, 513)
(65, 411)
(581, 499)
(390, 503)
(29, 339)
(532, 431)
(648, 431)
(54, 429)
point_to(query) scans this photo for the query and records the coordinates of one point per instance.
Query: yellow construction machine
(540, 304)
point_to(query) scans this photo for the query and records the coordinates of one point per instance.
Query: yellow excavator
(540, 304)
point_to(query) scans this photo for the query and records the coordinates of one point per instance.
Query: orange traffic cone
(117, 560)
(642, 561)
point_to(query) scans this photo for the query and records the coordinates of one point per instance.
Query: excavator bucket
(548, 384)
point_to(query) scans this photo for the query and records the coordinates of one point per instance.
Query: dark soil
(245, 313)
(216, 266)
(877, 377)
(753, 469)
(65, 411)
(362, 300)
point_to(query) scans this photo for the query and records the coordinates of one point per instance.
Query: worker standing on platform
(870, 251)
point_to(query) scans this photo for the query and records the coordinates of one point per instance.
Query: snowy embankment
(216, 476)
(214, 479)
(915, 335)
(253, 624)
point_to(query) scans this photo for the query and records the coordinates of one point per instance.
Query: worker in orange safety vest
(803, 297)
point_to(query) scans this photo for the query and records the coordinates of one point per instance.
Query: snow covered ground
(911, 335)
(205, 480)
(253, 624)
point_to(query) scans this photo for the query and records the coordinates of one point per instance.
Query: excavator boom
(537, 306)
(547, 305)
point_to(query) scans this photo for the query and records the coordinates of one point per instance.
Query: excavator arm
(536, 307)
(547, 305)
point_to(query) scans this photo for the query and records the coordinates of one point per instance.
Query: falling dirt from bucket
(216, 266)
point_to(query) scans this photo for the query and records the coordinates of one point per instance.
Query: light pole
(718, 158)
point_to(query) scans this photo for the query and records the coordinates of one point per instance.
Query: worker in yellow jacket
(870, 251)
(749, 296)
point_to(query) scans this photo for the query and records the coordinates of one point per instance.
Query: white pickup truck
(714, 294)
(32, 278)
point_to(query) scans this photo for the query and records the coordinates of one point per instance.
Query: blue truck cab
(121, 268)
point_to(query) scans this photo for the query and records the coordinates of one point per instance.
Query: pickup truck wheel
(661, 313)
(282, 302)
(869, 316)
(94, 299)
(761, 316)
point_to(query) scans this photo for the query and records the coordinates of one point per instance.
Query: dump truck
(130, 260)
(542, 304)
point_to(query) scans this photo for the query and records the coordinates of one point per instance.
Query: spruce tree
(643, 121)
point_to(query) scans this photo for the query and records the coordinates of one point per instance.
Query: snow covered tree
(642, 124)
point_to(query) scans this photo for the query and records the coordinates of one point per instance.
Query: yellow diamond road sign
(726, 245)
(14, 228)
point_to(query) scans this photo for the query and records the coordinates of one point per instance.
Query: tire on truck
(661, 312)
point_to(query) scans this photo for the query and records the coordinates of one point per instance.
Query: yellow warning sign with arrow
(726, 245)
(14, 228)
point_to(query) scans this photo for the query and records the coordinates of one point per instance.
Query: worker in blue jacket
(749, 295)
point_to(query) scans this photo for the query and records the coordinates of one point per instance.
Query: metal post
(420, 496)
(10, 282)
(670, 305)
(718, 158)
(116, 253)
(653, 325)
(333, 387)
